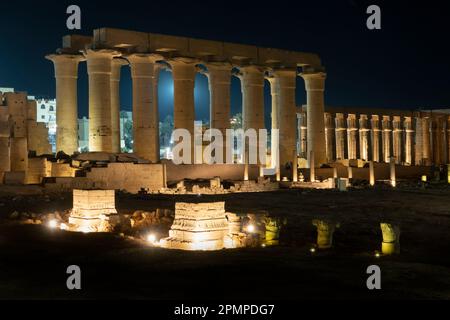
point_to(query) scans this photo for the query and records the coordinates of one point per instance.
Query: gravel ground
(33, 259)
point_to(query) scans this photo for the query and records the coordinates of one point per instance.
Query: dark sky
(404, 65)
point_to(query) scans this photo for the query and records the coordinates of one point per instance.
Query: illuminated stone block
(198, 226)
(93, 211)
(325, 231)
(391, 238)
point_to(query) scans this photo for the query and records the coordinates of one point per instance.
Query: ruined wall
(204, 171)
(117, 176)
(130, 177)
(38, 169)
(37, 132)
(5, 164)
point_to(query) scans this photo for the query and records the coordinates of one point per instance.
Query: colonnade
(421, 138)
(103, 67)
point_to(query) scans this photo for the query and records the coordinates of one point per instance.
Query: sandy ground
(33, 259)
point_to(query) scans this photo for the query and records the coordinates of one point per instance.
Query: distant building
(125, 116)
(83, 134)
(46, 113)
(5, 90)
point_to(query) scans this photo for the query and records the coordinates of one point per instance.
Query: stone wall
(128, 177)
(204, 171)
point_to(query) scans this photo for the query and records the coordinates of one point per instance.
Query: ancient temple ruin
(198, 226)
(21, 135)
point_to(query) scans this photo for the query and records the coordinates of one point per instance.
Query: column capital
(183, 68)
(100, 61)
(116, 65)
(251, 75)
(251, 69)
(218, 72)
(102, 53)
(55, 57)
(182, 61)
(283, 72)
(314, 81)
(218, 66)
(143, 65)
(135, 58)
(66, 65)
(284, 78)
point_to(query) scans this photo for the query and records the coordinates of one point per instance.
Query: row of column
(103, 67)
(411, 141)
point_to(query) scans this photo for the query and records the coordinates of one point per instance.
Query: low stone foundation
(93, 211)
(198, 226)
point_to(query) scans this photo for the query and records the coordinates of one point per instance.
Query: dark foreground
(33, 259)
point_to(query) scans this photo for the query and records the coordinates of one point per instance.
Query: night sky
(404, 65)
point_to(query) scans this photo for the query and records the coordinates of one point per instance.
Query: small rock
(14, 215)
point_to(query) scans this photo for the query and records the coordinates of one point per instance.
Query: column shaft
(409, 136)
(386, 138)
(252, 85)
(329, 137)
(302, 135)
(284, 85)
(418, 154)
(397, 139)
(426, 148)
(340, 136)
(145, 110)
(315, 86)
(115, 103)
(363, 137)
(183, 72)
(375, 137)
(66, 74)
(99, 71)
(352, 132)
(219, 80)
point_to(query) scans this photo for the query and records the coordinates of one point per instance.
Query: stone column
(5, 133)
(183, 72)
(99, 66)
(329, 137)
(409, 136)
(156, 72)
(145, 109)
(426, 139)
(438, 140)
(274, 115)
(66, 74)
(302, 134)
(315, 87)
(397, 139)
(252, 86)
(363, 137)
(219, 80)
(375, 137)
(340, 136)
(284, 84)
(352, 131)
(386, 138)
(371, 174)
(418, 147)
(392, 171)
(115, 103)
(312, 167)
